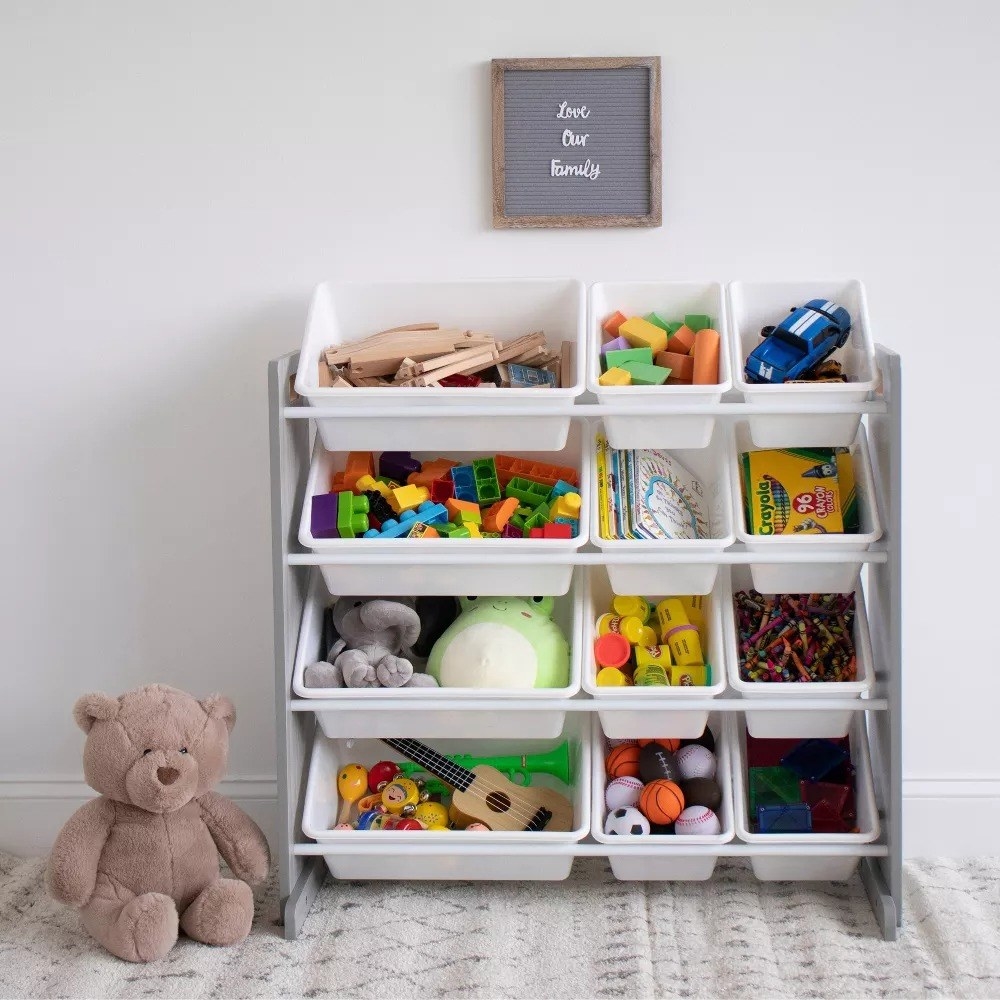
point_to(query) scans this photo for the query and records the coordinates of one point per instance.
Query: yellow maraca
(352, 783)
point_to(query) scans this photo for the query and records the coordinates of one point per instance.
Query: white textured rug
(590, 936)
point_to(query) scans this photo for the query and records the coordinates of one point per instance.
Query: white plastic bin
(820, 868)
(469, 855)
(753, 305)
(804, 577)
(466, 565)
(827, 724)
(713, 467)
(652, 711)
(662, 857)
(343, 312)
(671, 300)
(357, 711)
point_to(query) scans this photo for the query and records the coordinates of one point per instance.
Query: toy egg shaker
(352, 783)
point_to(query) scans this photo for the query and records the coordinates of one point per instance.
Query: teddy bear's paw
(419, 680)
(144, 930)
(393, 671)
(323, 675)
(221, 914)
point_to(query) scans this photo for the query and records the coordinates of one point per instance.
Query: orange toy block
(681, 365)
(408, 497)
(359, 463)
(436, 469)
(612, 323)
(682, 341)
(706, 357)
(499, 514)
(456, 507)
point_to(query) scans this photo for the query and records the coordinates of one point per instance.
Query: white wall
(176, 178)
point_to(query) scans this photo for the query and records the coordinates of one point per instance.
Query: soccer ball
(626, 822)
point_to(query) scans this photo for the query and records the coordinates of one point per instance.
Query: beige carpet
(587, 937)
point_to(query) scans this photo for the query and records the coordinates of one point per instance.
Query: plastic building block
(770, 786)
(657, 321)
(490, 534)
(814, 759)
(616, 359)
(571, 522)
(359, 463)
(421, 530)
(560, 488)
(615, 376)
(426, 513)
(435, 469)
(499, 514)
(390, 482)
(568, 505)
(554, 530)
(366, 484)
(473, 529)
(536, 533)
(528, 492)
(467, 517)
(618, 344)
(516, 523)
(323, 515)
(457, 381)
(465, 482)
(456, 507)
(509, 468)
(442, 489)
(826, 800)
(537, 520)
(408, 497)
(643, 374)
(398, 465)
(640, 332)
(792, 818)
(612, 323)
(379, 509)
(448, 530)
(352, 514)
(510, 530)
(697, 321)
(487, 484)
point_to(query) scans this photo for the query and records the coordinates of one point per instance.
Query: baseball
(622, 742)
(622, 792)
(698, 820)
(696, 761)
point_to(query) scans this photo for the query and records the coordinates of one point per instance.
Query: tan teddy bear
(143, 856)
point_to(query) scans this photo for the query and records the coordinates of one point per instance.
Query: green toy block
(698, 321)
(772, 786)
(537, 520)
(487, 485)
(352, 514)
(672, 328)
(657, 321)
(391, 483)
(530, 493)
(643, 374)
(518, 521)
(490, 534)
(469, 517)
(618, 359)
(449, 530)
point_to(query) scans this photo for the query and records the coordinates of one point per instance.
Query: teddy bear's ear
(219, 706)
(91, 707)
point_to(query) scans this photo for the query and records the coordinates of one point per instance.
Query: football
(626, 822)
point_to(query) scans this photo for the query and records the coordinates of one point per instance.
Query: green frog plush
(502, 642)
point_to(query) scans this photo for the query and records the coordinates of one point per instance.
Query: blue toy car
(807, 336)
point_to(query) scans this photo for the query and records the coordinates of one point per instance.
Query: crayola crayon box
(790, 491)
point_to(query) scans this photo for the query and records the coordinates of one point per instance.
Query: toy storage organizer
(704, 428)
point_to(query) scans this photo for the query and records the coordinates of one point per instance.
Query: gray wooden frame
(501, 220)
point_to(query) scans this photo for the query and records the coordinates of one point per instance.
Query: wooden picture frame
(504, 217)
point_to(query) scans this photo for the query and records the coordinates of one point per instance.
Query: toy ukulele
(487, 796)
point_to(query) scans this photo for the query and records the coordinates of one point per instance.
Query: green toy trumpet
(517, 767)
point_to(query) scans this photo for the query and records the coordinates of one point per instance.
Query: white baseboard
(943, 817)
(33, 810)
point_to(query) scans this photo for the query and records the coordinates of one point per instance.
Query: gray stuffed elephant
(373, 632)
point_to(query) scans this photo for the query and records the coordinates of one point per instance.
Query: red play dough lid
(612, 650)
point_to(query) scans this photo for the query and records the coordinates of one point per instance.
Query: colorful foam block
(706, 357)
(680, 365)
(612, 323)
(643, 374)
(616, 359)
(352, 514)
(499, 514)
(615, 376)
(681, 341)
(323, 515)
(640, 332)
(657, 321)
(397, 465)
(618, 344)
(697, 321)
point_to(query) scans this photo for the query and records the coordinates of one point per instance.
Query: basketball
(623, 761)
(667, 742)
(661, 801)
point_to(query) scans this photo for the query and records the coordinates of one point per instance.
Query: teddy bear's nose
(167, 775)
